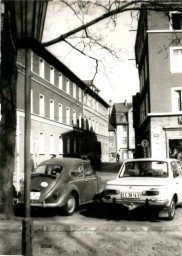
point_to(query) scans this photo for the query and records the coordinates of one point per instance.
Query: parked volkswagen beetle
(147, 182)
(65, 183)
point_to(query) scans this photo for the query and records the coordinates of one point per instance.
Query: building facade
(68, 118)
(122, 135)
(158, 105)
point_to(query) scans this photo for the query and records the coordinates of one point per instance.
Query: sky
(117, 80)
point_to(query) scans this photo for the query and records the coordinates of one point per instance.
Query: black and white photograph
(91, 128)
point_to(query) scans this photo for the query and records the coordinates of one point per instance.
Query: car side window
(180, 167)
(88, 170)
(77, 172)
(175, 170)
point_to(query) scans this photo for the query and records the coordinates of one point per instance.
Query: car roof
(151, 159)
(64, 161)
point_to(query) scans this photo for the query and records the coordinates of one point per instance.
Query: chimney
(110, 103)
(125, 102)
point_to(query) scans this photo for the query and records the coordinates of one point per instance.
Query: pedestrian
(117, 157)
(32, 164)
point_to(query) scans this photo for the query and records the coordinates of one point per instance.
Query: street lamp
(29, 17)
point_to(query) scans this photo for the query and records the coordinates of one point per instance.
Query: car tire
(70, 206)
(172, 209)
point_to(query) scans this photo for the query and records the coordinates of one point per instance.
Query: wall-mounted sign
(144, 143)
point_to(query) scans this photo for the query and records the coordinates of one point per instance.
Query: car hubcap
(71, 204)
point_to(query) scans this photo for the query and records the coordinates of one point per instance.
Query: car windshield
(49, 169)
(156, 169)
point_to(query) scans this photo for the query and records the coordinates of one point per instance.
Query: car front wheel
(70, 206)
(171, 209)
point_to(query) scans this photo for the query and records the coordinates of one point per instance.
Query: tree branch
(135, 6)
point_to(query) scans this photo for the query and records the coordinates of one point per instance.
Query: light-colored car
(63, 183)
(147, 182)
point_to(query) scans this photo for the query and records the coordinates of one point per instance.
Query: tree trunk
(8, 115)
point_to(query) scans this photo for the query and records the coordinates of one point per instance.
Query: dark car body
(63, 182)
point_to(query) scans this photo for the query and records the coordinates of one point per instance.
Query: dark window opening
(176, 19)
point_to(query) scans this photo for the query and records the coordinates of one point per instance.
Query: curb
(17, 227)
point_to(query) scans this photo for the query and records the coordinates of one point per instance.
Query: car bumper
(132, 204)
(42, 204)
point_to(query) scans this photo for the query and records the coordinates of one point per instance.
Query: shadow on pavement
(116, 213)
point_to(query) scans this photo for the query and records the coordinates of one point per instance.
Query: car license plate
(34, 195)
(130, 195)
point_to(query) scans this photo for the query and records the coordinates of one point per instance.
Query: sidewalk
(116, 240)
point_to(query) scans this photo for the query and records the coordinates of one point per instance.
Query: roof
(163, 159)
(122, 107)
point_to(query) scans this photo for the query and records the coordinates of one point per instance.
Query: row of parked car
(67, 183)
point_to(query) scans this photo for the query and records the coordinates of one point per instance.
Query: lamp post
(29, 19)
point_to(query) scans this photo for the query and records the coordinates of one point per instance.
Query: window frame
(51, 109)
(171, 21)
(41, 68)
(51, 144)
(41, 105)
(173, 91)
(41, 143)
(52, 75)
(173, 62)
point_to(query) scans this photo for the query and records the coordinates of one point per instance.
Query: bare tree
(85, 39)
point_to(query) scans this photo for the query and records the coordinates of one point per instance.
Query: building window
(97, 105)
(41, 143)
(41, 67)
(176, 59)
(124, 128)
(52, 144)
(68, 145)
(93, 125)
(89, 124)
(84, 123)
(80, 94)
(112, 144)
(97, 127)
(31, 101)
(60, 145)
(67, 116)
(80, 120)
(124, 141)
(133, 140)
(74, 145)
(60, 113)
(67, 86)
(51, 75)
(74, 118)
(60, 81)
(51, 109)
(74, 90)
(111, 133)
(41, 105)
(176, 20)
(177, 100)
(142, 111)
